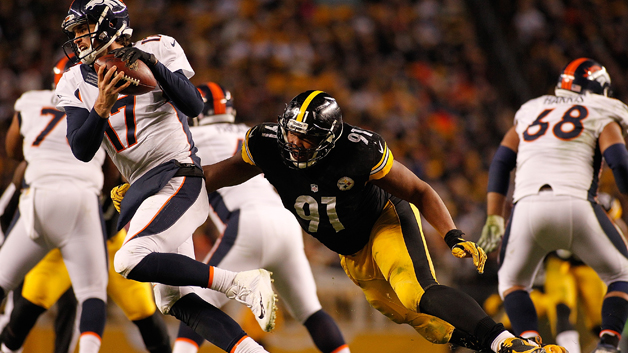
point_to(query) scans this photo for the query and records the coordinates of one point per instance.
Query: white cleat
(254, 289)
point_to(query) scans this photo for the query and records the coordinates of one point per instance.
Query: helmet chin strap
(89, 58)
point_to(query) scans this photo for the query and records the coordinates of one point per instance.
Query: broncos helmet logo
(114, 5)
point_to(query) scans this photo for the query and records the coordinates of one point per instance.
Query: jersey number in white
(314, 215)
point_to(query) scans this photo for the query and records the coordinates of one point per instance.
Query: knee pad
(127, 258)
(166, 296)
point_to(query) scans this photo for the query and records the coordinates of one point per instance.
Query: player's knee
(433, 329)
(166, 297)
(384, 308)
(125, 260)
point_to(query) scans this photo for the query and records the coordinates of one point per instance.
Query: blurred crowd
(439, 79)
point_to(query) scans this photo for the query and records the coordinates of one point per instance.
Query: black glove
(131, 54)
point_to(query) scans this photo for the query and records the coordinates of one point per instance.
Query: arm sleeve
(616, 157)
(179, 90)
(85, 132)
(503, 162)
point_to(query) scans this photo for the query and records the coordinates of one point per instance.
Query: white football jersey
(216, 142)
(558, 143)
(145, 130)
(46, 147)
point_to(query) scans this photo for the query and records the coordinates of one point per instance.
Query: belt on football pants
(189, 170)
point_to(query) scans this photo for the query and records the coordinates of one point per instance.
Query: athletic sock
(89, 343)
(154, 333)
(188, 341)
(325, 333)
(248, 345)
(522, 314)
(570, 340)
(220, 279)
(497, 342)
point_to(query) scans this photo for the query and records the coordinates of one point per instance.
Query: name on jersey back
(563, 100)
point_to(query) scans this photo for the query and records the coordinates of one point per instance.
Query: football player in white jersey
(148, 139)
(257, 231)
(59, 208)
(557, 145)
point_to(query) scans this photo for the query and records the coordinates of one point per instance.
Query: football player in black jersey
(343, 185)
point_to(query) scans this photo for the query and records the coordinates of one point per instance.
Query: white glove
(492, 233)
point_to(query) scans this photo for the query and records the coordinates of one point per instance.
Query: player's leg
(42, 287)
(136, 301)
(66, 332)
(560, 288)
(522, 256)
(409, 270)
(282, 240)
(150, 253)
(602, 247)
(77, 226)
(18, 255)
(591, 291)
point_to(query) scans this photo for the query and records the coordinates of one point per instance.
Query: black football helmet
(585, 75)
(218, 105)
(316, 116)
(111, 20)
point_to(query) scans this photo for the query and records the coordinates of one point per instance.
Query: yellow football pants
(385, 269)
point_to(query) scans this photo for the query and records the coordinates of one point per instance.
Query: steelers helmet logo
(345, 183)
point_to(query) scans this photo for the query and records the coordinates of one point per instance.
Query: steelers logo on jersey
(345, 183)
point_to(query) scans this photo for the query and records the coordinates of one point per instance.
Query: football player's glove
(117, 194)
(492, 233)
(132, 54)
(461, 248)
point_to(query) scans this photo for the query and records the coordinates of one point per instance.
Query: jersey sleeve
(249, 140)
(618, 111)
(168, 51)
(383, 158)
(22, 102)
(67, 93)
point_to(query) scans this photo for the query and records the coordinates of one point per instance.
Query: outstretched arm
(231, 171)
(401, 182)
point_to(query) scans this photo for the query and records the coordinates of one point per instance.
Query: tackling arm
(229, 172)
(401, 182)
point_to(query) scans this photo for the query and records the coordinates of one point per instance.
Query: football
(142, 79)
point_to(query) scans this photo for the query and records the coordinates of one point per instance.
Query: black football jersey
(332, 200)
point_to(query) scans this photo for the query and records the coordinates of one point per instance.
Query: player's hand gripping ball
(142, 79)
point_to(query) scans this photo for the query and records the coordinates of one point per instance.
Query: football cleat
(254, 289)
(549, 348)
(605, 348)
(520, 345)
